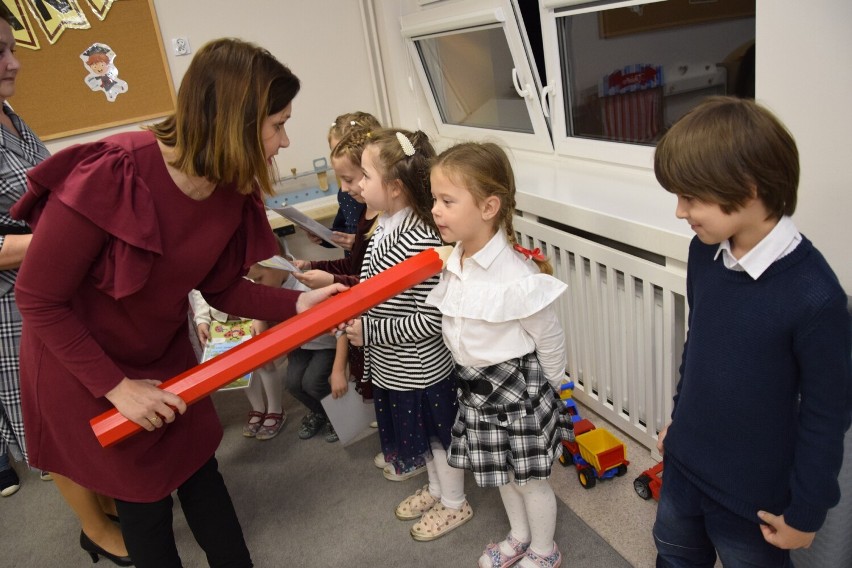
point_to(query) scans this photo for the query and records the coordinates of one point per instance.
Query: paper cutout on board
(22, 28)
(54, 16)
(100, 7)
(103, 74)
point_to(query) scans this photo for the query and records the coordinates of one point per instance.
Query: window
(473, 60)
(619, 72)
(627, 70)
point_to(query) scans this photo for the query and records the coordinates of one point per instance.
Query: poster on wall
(52, 17)
(55, 16)
(22, 27)
(83, 65)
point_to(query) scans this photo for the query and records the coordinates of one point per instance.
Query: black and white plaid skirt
(509, 419)
(11, 417)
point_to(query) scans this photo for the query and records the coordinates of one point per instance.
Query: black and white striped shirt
(404, 349)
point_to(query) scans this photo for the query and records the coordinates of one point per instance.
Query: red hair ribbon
(534, 254)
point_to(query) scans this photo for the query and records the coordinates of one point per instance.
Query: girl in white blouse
(500, 324)
(414, 388)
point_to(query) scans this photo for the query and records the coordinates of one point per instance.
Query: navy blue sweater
(765, 394)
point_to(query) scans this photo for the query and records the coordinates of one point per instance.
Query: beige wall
(803, 74)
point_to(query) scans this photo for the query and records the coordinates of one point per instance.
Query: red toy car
(650, 482)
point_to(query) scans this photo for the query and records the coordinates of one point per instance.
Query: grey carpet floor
(302, 503)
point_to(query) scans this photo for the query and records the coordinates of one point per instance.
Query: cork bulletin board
(52, 94)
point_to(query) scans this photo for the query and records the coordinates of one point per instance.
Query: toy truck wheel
(564, 461)
(642, 485)
(587, 477)
(622, 469)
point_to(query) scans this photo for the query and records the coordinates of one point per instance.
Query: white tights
(266, 379)
(531, 509)
(445, 481)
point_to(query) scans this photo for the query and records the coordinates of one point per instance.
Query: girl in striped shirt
(405, 356)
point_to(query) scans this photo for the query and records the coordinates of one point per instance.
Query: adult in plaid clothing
(500, 324)
(20, 149)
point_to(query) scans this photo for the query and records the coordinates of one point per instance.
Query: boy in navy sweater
(755, 443)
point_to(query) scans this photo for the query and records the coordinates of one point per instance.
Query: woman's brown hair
(230, 88)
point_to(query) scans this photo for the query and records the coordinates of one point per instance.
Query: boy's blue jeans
(691, 528)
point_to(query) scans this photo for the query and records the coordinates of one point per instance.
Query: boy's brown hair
(726, 150)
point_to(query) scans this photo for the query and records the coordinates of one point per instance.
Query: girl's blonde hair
(411, 169)
(357, 120)
(485, 171)
(228, 91)
(351, 145)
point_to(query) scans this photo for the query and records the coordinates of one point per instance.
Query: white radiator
(624, 319)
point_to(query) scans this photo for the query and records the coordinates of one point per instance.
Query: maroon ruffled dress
(103, 292)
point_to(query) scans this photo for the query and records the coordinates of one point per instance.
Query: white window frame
(464, 14)
(622, 153)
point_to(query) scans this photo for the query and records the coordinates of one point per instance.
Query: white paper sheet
(306, 223)
(279, 262)
(350, 416)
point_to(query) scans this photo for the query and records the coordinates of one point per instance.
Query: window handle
(525, 93)
(545, 103)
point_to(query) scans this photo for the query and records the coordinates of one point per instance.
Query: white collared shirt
(781, 241)
(387, 223)
(498, 306)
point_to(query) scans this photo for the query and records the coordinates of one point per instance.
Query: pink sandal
(269, 432)
(493, 557)
(251, 428)
(552, 560)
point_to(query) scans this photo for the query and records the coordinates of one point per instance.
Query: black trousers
(147, 527)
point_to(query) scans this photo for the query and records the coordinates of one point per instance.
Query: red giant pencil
(204, 379)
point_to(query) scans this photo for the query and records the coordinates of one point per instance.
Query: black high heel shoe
(96, 552)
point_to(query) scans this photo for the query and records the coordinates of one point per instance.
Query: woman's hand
(338, 382)
(308, 300)
(140, 401)
(355, 332)
(314, 279)
(301, 264)
(13, 250)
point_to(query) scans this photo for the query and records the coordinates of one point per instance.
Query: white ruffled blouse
(498, 306)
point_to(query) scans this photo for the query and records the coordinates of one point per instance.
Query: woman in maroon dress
(124, 228)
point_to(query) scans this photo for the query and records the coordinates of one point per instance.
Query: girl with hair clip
(404, 354)
(500, 324)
